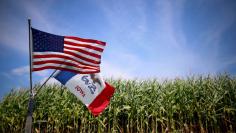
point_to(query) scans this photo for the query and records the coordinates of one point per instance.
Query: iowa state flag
(89, 88)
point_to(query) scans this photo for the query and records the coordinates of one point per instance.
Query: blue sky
(145, 38)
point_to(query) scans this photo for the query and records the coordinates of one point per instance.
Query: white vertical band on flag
(86, 87)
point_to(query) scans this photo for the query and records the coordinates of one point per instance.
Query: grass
(195, 104)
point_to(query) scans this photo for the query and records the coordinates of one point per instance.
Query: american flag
(66, 53)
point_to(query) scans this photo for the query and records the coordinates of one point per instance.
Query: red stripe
(62, 63)
(65, 69)
(102, 100)
(84, 45)
(61, 56)
(83, 51)
(86, 40)
(82, 57)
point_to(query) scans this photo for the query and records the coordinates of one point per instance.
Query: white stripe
(58, 53)
(63, 66)
(82, 54)
(85, 49)
(63, 60)
(80, 42)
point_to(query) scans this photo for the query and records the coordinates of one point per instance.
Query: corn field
(196, 104)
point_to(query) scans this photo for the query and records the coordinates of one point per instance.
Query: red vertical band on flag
(102, 100)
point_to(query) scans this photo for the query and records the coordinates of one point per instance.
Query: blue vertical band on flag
(64, 76)
(43, 41)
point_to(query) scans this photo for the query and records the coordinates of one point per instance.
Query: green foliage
(197, 104)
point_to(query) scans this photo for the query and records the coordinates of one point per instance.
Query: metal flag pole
(28, 123)
(45, 82)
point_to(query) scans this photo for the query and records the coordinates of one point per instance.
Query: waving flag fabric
(69, 53)
(89, 88)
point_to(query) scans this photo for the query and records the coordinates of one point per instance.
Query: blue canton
(45, 42)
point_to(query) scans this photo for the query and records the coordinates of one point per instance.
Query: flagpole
(45, 82)
(30, 55)
(28, 123)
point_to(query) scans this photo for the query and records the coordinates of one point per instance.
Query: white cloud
(24, 70)
(20, 70)
(169, 25)
(167, 38)
(14, 29)
(38, 12)
(168, 53)
(7, 75)
(51, 81)
(181, 59)
(109, 70)
(42, 73)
